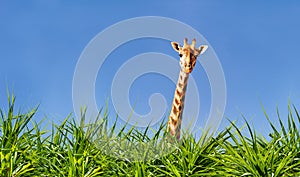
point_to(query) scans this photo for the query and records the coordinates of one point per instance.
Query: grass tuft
(94, 149)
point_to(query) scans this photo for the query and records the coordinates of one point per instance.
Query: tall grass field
(76, 149)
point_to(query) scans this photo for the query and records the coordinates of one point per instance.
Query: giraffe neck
(174, 123)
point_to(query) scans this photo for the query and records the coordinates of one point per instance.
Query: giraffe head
(188, 54)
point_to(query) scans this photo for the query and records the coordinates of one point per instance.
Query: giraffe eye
(180, 55)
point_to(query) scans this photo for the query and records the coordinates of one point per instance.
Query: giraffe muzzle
(188, 69)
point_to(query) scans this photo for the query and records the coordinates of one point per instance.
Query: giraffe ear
(202, 49)
(175, 46)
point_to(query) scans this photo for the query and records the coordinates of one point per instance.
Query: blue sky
(257, 44)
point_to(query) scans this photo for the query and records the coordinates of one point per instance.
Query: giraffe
(188, 55)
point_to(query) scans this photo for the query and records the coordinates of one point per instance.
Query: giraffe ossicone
(188, 57)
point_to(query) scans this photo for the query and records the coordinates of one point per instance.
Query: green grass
(71, 149)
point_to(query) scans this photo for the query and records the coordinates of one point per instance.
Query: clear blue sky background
(257, 43)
